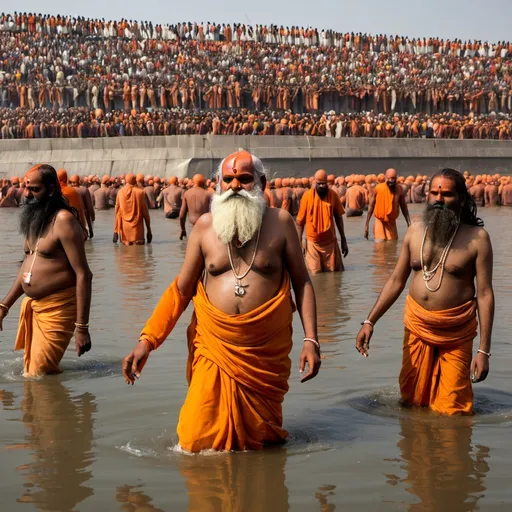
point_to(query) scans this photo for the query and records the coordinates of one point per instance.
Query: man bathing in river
(54, 275)
(240, 264)
(446, 253)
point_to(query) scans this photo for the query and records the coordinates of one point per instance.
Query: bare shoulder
(479, 236)
(203, 224)
(415, 230)
(65, 218)
(278, 216)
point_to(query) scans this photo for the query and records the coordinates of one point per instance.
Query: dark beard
(33, 216)
(322, 192)
(440, 222)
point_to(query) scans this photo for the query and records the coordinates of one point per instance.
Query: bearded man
(385, 203)
(241, 260)
(54, 275)
(441, 310)
(320, 210)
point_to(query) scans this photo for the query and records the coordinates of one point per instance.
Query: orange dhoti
(45, 330)
(437, 357)
(385, 230)
(324, 257)
(237, 371)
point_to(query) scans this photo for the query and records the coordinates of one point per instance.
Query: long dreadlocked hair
(469, 210)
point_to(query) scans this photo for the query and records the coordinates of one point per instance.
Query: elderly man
(385, 203)
(54, 275)
(441, 311)
(131, 213)
(321, 210)
(240, 264)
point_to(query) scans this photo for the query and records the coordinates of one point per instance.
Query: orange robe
(131, 211)
(45, 330)
(238, 370)
(75, 201)
(323, 251)
(437, 357)
(386, 212)
(11, 198)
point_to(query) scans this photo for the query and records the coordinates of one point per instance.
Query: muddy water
(86, 441)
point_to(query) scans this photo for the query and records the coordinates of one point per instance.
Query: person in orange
(74, 200)
(195, 202)
(57, 285)
(12, 197)
(447, 253)
(131, 213)
(355, 199)
(240, 265)
(385, 203)
(320, 210)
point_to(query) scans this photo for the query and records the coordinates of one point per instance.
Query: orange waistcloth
(437, 357)
(45, 330)
(384, 230)
(317, 215)
(386, 206)
(75, 201)
(131, 210)
(238, 370)
(324, 257)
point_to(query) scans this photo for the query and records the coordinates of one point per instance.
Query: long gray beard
(441, 222)
(238, 215)
(33, 216)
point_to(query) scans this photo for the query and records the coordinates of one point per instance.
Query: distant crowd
(56, 69)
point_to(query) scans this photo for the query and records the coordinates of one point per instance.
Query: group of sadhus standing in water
(243, 258)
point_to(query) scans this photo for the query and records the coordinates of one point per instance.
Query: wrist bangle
(148, 344)
(5, 308)
(81, 326)
(488, 354)
(311, 340)
(369, 322)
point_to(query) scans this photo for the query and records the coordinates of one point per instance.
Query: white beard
(238, 214)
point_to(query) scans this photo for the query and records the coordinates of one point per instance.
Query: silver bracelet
(317, 345)
(369, 322)
(488, 354)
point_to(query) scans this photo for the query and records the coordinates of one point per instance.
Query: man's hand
(91, 234)
(134, 362)
(479, 368)
(311, 356)
(183, 234)
(82, 342)
(149, 236)
(366, 232)
(115, 238)
(2, 316)
(344, 247)
(363, 339)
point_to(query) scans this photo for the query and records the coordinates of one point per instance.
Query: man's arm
(183, 217)
(485, 302)
(391, 291)
(405, 210)
(71, 237)
(14, 294)
(371, 207)
(171, 304)
(304, 295)
(341, 229)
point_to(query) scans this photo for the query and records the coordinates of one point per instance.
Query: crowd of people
(254, 240)
(58, 70)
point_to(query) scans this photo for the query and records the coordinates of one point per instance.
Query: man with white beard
(242, 260)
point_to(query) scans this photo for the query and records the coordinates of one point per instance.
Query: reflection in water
(322, 495)
(59, 437)
(136, 268)
(134, 500)
(236, 482)
(332, 311)
(443, 468)
(383, 262)
(7, 398)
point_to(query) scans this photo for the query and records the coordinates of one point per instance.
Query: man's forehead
(240, 162)
(32, 177)
(440, 182)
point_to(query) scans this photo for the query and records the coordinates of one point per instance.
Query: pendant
(239, 290)
(26, 277)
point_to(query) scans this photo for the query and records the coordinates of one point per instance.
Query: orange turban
(63, 176)
(139, 178)
(381, 178)
(131, 179)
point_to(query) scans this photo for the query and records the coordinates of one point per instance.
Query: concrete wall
(185, 155)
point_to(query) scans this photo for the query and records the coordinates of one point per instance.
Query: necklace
(428, 275)
(239, 287)
(27, 276)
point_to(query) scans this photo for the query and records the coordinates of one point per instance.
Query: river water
(86, 441)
